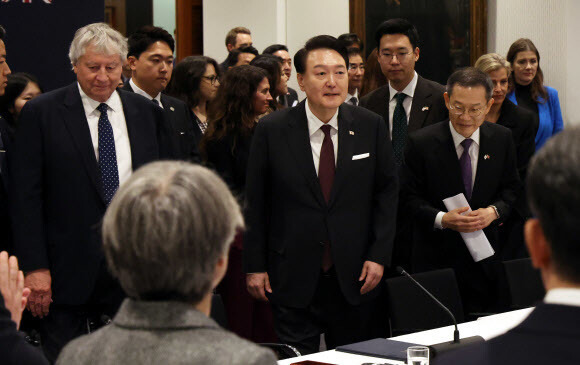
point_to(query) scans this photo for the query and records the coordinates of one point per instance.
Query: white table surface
(486, 327)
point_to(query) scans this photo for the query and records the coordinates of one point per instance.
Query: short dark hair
(552, 188)
(275, 48)
(186, 78)
(2, 32)
(235, 53)
(350, 39)
(145, 37)
(470, 77)
(273, 66)
(397, 26)
(353, 51)
(318, 42)
(233, 34)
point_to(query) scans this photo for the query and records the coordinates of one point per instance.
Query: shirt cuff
(438, 219)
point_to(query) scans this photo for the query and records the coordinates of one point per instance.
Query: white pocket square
(361, 156)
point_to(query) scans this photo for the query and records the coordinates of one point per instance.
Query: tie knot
(102, 108)
(326, 130)
(400, 97)
(155, 102)
(466, 143)
(353, 100)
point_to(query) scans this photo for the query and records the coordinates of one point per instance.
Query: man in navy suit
(322, 195)
(465, 155)
(150, 58)
(74, 147)
(549, 335)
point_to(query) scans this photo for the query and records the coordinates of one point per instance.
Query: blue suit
(550, 116)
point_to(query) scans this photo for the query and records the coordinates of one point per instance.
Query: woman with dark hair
(276, 77)
(527, 89)
(243, 96)
(195, 81)
(373, 77)
(21, 87)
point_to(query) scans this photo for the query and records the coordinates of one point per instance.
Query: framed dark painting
(453, 33)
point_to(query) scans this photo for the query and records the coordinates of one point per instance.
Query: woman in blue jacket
(527, 89)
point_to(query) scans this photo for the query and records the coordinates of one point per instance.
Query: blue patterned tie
(465, 162)
(107, 155)
(399, 129)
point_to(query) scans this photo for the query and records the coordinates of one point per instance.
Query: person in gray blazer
(166, 237)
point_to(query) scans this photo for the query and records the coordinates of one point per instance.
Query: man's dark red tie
(326, 177)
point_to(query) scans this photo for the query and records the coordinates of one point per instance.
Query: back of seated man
(550, 334)
(239, 56)
(166, 237)
(280, 50)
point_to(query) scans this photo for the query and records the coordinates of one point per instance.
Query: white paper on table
(476, 242)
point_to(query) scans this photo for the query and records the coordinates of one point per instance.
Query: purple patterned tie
(465, 162)
(326, 177)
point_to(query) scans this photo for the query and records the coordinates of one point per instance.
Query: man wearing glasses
(469, 156)
(150, 57)
(408, 102)
(356, 71)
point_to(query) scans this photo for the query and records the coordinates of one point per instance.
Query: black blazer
(288, 100)
(180, 120)
(57, 201)
(549, 335)
(14, 350)
(229, 159)
(288, 218)
(7, 135)
(428, 105)
(432, 173)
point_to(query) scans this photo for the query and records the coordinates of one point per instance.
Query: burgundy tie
(326, 178)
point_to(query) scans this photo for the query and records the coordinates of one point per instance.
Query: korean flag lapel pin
(486, 157)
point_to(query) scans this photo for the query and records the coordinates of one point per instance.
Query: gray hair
(166, 229)
(100, 35)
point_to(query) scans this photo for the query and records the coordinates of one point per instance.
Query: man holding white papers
(469, 156)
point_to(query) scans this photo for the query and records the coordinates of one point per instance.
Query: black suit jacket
(428, 105)
(288, 218)
(432, 173)
(14, 350)
(7, 135)
(289, 99)
(181, 124)
(549, 335)
(57, 202)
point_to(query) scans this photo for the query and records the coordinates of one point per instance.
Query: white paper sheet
(476, 242)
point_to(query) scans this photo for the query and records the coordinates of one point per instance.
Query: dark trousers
(67, 322)
(328, 313)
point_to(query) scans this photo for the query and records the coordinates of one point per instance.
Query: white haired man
(74, 148)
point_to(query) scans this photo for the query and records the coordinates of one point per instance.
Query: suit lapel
(421, 99)
(76, 122)
(299, 144)
(484, 165)
(345, 151)
(136, 139)
(451, 170)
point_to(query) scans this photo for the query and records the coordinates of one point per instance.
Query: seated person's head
(553, 187)
(167, 232)
(241, 56)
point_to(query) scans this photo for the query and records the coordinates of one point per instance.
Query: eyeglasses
(212, 79)
(458, 110)
(401, 56)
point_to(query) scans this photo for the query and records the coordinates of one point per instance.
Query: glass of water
(418, 355)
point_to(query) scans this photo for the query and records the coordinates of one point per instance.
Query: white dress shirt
(119, 125)
(317, 135)
(409, 90)
(564, 296)
(138, 90)
(473, 154)
(348, 97)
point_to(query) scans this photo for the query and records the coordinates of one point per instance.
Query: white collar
(565, 296)
(90, 105)
(349, 96)
(140, 91)
(458, 138)
(314, 123)
(409, 90)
